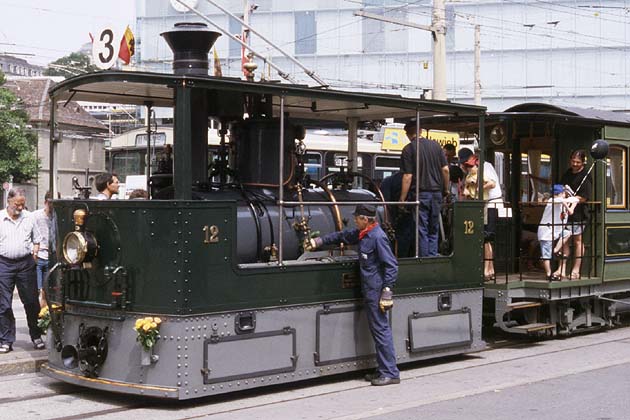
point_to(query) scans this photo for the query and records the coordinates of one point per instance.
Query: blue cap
(365, 210)
(557, 189)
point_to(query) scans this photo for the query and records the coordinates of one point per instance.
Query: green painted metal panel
(616, 133)
(180, 258)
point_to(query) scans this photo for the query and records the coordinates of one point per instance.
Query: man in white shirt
(19, 245)
(107, 185)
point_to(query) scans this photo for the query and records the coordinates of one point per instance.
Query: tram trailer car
(221, 265)
(530, 145)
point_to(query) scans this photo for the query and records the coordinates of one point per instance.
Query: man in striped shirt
(19, 244)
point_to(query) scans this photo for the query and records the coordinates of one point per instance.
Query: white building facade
(561, 52)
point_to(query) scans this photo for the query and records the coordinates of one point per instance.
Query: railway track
(34, 396)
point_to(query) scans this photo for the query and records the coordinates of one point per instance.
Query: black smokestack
(190, 43)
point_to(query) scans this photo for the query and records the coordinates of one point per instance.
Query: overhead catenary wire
(282, 74)
(308, 71)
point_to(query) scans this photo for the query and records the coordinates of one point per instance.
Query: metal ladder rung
(534, 327)
(523, 304)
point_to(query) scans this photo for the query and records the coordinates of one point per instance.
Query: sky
(55, 28)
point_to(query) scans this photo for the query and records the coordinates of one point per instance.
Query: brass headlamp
(79, 246)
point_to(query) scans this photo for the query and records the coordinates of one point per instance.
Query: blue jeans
(42, 270)
(21, 274)
(381, 334)
(429, 222)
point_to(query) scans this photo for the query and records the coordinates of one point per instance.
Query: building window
(616, 172)
(450, 27)
(73, 154)
(91, 151)
(235, 29)
(313, 165)
(378, 36)
(305, 33)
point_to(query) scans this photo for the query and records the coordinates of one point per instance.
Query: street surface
(583, 377)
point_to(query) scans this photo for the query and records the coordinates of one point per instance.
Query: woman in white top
(494, 200)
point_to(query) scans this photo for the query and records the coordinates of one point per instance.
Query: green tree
(71, 65)
(18, 144)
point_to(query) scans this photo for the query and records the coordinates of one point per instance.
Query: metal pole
(353, 162)
(245, 37)
(52, 171)
(280, 181)
(417, 178)
(236, 39)
(477, 65)
(438, 22)
(149, 104)
(309, 72)
(482, 148)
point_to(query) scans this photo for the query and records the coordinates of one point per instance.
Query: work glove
(312, 244)
(387, 301)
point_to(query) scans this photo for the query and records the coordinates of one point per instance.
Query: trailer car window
(616, 178)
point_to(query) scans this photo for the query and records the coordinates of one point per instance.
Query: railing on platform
(516, 247)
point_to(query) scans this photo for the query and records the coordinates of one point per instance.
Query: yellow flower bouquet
(43, 319)
(148, 330)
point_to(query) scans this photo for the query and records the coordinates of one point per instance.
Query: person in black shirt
(433, 181)
(402, 218)
(576, 177)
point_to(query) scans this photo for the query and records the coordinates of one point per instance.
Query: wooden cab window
(616, 178)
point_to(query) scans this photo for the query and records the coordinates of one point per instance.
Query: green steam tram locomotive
(204, 288)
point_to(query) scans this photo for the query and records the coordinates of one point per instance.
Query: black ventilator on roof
(190, 43)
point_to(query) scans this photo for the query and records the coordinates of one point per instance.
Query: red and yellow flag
(127, 46)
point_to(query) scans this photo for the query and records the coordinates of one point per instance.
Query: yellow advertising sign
(396, 139)
(443, 137)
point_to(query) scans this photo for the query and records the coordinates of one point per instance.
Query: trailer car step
(522, 305)
(534, 327)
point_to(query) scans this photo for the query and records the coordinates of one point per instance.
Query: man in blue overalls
(379, 270)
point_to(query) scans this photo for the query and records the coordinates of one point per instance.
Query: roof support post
(482, 158)
(416, 209)
(52, 158)
(182, 171)
(149, 109)
(353, 162)
(280, 185)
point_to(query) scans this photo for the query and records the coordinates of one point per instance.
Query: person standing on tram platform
(19, 244)
(580, 184)
(401, 218)
(379, 270)
(434, 182)
(107, 186)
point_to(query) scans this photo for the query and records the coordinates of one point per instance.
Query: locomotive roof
(534, 111)
(585, 113)
(301, 101)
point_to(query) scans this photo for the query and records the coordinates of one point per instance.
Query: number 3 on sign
(469, 227)
(105, 48)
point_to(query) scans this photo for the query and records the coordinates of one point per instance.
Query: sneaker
(384, 380)
(5, 348)
(38, 344)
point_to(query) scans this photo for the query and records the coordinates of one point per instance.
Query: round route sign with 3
(105, 48)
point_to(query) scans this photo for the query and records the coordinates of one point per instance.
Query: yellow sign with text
(396, 139)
